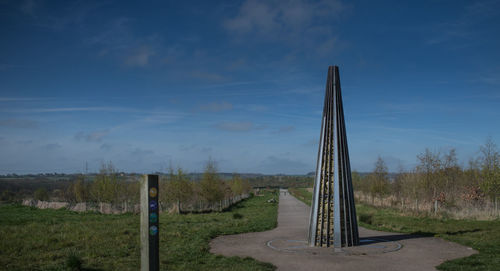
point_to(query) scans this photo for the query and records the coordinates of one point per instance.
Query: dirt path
(285, 246)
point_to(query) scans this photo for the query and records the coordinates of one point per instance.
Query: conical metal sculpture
(333, 214)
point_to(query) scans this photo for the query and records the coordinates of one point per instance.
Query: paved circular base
(366, 247)
(287, 248)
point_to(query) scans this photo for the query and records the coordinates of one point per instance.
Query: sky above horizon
(148, 85)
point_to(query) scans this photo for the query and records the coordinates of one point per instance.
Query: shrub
(105, 187)
(366, 218)
(177, 189)
(41, 194)
(212, 187)
(73, 262)
(7, 196)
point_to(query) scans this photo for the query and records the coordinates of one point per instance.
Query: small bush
(73, 262)
(237, 216)
(366, 218)
(7, 196)
(41, 194)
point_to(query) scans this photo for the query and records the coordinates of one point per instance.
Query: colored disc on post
(153, 205)
(153, 218)
(153, 230)
(153, 192)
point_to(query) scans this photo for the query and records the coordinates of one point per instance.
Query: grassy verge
(33, 239)
(484, 236)
(301, 194)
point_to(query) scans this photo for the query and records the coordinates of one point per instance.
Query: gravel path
(286, 247)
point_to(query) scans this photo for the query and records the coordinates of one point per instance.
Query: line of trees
(176, 189)
(438, 180)
(107, 186)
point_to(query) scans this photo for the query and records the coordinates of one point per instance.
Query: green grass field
(33, 239)
(484, 236)
(301, 194)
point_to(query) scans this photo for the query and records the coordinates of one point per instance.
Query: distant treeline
(110, 186)
(284, 181)
(437, 184)
(63, 186)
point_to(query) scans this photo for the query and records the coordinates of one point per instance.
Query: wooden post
(150, 258)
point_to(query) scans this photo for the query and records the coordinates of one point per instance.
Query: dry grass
(411, 207)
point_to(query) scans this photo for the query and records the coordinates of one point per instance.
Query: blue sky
(148, 84)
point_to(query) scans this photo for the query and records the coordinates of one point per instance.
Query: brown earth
(286, 247)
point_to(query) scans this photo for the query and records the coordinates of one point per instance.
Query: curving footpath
(286, 247)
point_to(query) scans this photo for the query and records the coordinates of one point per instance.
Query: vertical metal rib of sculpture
(333, 214)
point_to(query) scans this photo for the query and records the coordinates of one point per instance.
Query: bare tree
(379, 179)
(106, 187)
(211, 186)
(490, 170)
(177, 189)
(430, 164)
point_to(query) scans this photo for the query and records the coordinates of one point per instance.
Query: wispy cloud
(307, 90)
(274, 164)
(490, 80)
(19, 123)
(20, 99)
(106, 147)
(255, 107)
(299, 23)
(64, 109)
(96, 136)
(139, 57)
(73, 14)
(208, 76)
(311, 142)
(6, 67)
(235, 126)
(81, 109)
(195, 148)
(216, 107)
(141, 152)
(426, 133)
(29, 7)
(24, 142)
(161, 118)
(119, 41)
(285, 129)
(52, 146)
(462, 27)
(113, 35)
(272, 17)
